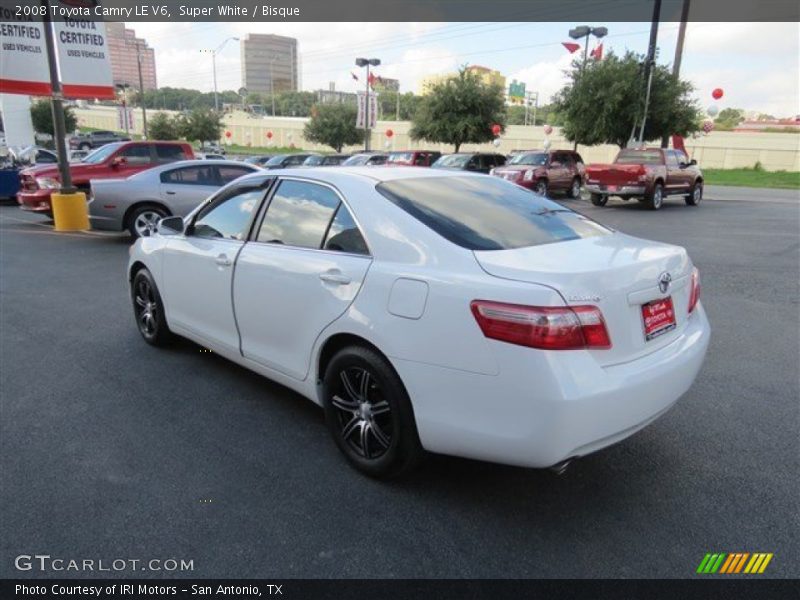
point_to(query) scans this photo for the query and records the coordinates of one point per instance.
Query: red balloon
(389, 133)
(228, 134)
(717, 93)
(269, 135)
(496, 129)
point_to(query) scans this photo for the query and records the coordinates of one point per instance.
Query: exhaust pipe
(561, 468)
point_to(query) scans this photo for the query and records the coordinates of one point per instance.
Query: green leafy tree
(162, 126)
(728, 118)
(202, 125)
(603, 104)
(293, 104)
(42, 117)
(334, 125)
(459, 110)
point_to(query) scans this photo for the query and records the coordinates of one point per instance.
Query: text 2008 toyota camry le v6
(451, 312)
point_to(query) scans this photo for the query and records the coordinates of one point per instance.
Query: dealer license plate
(658, 317)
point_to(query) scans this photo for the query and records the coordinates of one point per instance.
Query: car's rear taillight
(545, 327)
(694, 294)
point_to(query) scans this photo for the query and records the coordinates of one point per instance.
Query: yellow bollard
(70, 211)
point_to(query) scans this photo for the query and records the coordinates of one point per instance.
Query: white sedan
(451, 312)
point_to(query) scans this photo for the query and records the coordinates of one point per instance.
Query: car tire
(369, 414)
(695, 194)
(575, 188)
(541, 187)
(148, 309)
(655, 199)
(143, 220)
(599, 199)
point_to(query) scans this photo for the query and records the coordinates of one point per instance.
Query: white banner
(84, 60)
(373, 110)
(125, 118)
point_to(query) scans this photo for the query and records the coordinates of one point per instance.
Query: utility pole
(676, 64)
(57, 104)
(141, 90)
(585, 31)
(650, 63)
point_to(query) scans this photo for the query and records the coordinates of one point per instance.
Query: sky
(756, 64)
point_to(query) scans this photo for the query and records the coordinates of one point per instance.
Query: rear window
(487, 213)
(639, 157)
(170, 152)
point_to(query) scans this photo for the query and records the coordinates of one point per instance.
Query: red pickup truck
(647, 174)
(119, 160)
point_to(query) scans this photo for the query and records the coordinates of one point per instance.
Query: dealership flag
(597, 53)
(572, 47)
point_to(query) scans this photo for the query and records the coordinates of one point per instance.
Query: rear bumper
(621, 190)
(35, 201)
(546, 407)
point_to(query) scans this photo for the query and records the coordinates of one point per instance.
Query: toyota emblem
(663, 282)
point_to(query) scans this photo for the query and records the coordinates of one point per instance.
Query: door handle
(170, 193)
(223, 261)
(334, 277)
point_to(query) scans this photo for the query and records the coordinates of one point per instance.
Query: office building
(123, 46)
(486, 75)
(269, 63)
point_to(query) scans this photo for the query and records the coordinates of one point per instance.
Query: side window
(681, 157)
(228, 219)
(343, 234)
(137, 155)
(672, 159)
(421, 160)
(293, 161)
(166, 153)
(228, 174)
(298, 214)
(189, 176)
(377, 160)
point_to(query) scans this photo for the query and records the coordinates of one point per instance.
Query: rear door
(198, 266)
(183, 188)
(301, 271)
(558, 171)
(675, 174)
(138, 157)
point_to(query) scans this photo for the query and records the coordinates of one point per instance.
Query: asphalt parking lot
(112, 449)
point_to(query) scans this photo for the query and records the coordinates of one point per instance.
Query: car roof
(196, 162)
(378, 174)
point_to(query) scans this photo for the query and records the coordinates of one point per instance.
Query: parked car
(95, 139)
(415, 158)
(426, 309)
(121, 159)
(369, 159)
(470, 161)
(258, 160)
(647, 174)
(325, 160)
(283, 161)
(545, 171)
(138, 202)
(213, 148)
(208, 156)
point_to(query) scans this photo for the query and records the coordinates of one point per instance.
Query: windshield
(358, 159)
(102, 153)
(403, 157)
(453, 160)
(533, 158)
(276, 160)
(487, 213)
(639, 157)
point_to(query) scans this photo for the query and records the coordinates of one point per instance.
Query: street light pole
(272, 81)
(676, 64)
(585, 31)
(651, 59)
(141, 90)
(366, 62)
(214, 67)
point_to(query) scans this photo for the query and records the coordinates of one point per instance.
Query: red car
(116, 161)
(413, 158)
(545, 171)
(647, 174)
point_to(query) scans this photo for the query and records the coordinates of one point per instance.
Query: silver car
(138, 202)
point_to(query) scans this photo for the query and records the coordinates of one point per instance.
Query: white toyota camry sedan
(423, 310)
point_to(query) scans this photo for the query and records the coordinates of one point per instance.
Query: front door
(198, 267)
(301, 272)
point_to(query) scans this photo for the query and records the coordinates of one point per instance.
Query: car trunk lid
(617, 273)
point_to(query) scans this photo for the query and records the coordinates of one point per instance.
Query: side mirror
(170, 226)
(118, 161)
(693, 162)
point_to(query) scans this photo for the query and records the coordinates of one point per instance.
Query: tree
(333, 125)
(42, 117)
(459, 110)
(202, 125)
(728, 118)
(163, 127)
(604, 103)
